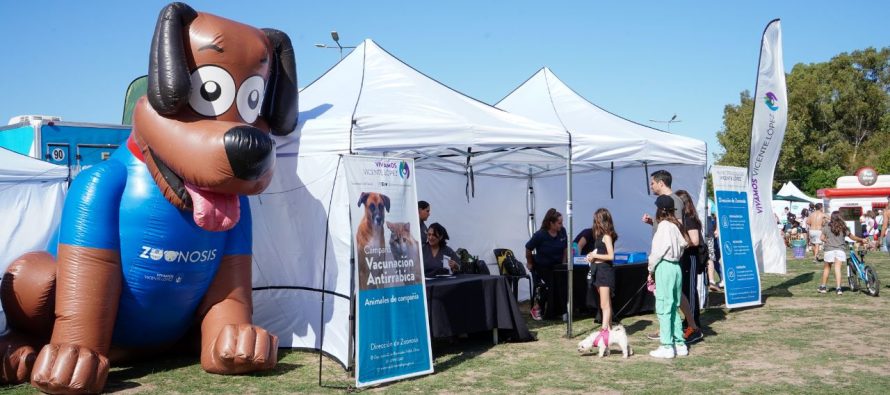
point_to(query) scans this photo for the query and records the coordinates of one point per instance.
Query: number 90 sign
(58, 154)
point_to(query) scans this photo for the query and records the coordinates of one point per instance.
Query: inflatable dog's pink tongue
(215, 212)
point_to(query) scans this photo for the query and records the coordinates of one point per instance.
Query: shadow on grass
(121, 378)
(782, 289)
(452, 351)
(710, 316)
(638, 326)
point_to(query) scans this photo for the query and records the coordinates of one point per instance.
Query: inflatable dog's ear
(280, 108)
(168, 76)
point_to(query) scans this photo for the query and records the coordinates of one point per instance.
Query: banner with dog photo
(392, 328)
(739, 265)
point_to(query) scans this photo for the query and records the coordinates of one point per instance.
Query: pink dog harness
(602, 336)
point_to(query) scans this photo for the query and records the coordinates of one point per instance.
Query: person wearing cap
(668, 244)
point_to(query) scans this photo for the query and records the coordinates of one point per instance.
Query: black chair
(502, 254)
(482, 267)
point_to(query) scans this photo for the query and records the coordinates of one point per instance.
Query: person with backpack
(549, 246)
(600, 260)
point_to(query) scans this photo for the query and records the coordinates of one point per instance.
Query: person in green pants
(668, 244)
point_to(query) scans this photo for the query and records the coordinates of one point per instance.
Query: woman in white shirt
(668, 244)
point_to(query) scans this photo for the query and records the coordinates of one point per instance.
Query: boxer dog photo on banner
(392, 325)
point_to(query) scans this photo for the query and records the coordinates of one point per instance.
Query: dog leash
(629, 300)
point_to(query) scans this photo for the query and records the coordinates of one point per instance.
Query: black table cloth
(470, 303)
(629, 278)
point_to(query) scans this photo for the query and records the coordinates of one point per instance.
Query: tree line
(838, 121)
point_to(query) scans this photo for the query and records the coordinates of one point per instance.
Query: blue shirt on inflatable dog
(167, 261)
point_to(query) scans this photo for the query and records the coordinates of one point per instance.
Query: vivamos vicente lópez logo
(404, 170)
(772, 102)
(389, 168)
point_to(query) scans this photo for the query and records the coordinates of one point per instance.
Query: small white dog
(616, 336)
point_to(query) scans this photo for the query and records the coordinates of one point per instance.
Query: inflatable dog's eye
(213, 91)
(250, 98)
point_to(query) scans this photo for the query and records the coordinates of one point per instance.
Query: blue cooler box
(624, 258)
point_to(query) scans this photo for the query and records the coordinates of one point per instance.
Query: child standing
(834, 249)
(668, 244)
(600, 260)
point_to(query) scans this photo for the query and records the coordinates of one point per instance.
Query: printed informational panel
(739, 266)
(392, 328)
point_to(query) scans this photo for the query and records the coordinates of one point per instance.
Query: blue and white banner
(767, 133)
(392, 329)
(740, 275)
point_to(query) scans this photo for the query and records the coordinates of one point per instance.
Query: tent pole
(530, 207)
(569, 234)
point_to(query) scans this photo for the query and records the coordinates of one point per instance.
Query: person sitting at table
(435, 251)
(600, 259)
(549, 244)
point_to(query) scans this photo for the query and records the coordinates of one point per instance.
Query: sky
(644, 61)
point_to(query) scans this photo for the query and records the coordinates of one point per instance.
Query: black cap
(664, 202)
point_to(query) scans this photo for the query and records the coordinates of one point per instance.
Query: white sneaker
(681, 350)
(666, 352)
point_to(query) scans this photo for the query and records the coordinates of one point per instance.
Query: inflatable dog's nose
(250, 152)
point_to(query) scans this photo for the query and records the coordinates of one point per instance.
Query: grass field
(799, 341)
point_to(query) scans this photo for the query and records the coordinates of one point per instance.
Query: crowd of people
(826, 236)
(810, 223)
(682, 249)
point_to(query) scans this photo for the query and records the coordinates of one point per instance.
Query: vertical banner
(392, 328)
(740, 275)
(767, 133)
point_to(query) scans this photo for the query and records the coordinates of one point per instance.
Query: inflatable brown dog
(157, 239)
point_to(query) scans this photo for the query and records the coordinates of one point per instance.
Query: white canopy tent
(473, 163)
(31, 196)
(612, 159)
(789, 189)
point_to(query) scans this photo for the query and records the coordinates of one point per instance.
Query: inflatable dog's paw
(242, 348)
(69, 369)
(18, 359)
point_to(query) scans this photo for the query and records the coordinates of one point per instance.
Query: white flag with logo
(767, 133)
